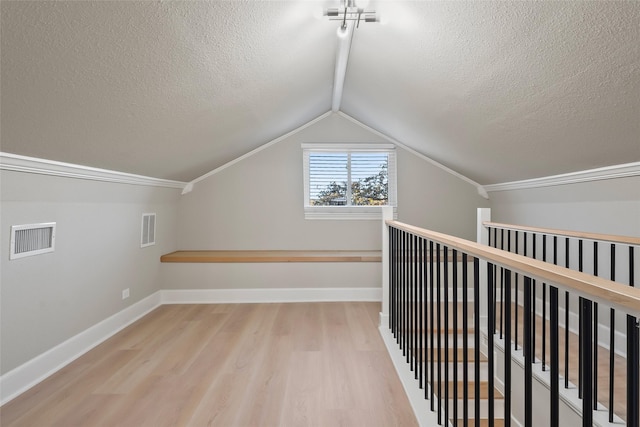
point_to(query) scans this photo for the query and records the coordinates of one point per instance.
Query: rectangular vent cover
(32, 239)
(148, 235)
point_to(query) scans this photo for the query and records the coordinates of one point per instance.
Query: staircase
(453, 361)
(435, 335)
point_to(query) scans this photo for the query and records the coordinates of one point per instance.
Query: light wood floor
(321, 364)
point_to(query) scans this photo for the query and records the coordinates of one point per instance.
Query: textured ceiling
(503, 91)
(497, 91)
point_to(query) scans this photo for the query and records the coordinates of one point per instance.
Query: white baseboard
(226, 296)
(419, 404)
(25, 376)
(384, 320)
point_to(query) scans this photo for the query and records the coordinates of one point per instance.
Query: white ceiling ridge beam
(18, 163)
(342, 60)
(479, 187)
(608, 172)
(189, 187)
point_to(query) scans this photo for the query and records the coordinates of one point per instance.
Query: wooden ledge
(271, 256)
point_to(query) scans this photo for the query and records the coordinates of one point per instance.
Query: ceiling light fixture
(348, 11)
(343, 31)
(350, 17)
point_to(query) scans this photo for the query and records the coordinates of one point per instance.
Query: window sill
(346, 212)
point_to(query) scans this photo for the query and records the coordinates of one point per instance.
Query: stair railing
(605, 255)
(440, 326)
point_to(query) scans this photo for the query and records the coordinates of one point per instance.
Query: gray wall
(609, 206)
(258, 204)
(431, 198)
(254, 204)
(46, 299)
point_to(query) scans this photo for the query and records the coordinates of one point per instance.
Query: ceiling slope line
(342, 60)
(599, 174)
(480, 188)
(18, 163)
(189, 187)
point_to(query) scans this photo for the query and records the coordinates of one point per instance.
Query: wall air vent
(32, 239)
(148, 234)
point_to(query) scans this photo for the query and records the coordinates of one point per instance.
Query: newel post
(482, 237)
(387, 214)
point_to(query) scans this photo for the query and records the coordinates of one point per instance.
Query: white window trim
(349, 212)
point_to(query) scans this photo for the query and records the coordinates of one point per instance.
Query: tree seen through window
(331, 172)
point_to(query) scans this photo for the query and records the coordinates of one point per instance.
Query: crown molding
(599, 174)
(479, 188)
(189, 186)
(17, 163)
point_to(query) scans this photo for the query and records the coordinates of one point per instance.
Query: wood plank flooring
(309, 364)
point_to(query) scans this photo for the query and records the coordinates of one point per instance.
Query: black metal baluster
(405, 297)
(580, 331)
(516, 305)
(524, 253)
(566, 320)
(421, 329)
(413, 291)
(633, 359)
(445, 252)
(544, 308)
(439, 328)
(553, 356)
(595, 333)
(425, 317)
(507, 348)
(410, 298)
(533, 301)
(476, 339)
(407, 300)
(398, 286)
(489, 235)
(454, 299)
(495, 287)
(399, 272)
(465, 344)
(490, 354)
(587, 364)
(612, 342)
(403, 291)
(507, 319)
(528, 319)
(431, 327)
(501, 285)
(633, 372)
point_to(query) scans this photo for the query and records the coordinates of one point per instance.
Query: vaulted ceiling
(497, 91)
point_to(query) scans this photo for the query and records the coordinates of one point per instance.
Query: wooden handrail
(627, 240)
(610, 293)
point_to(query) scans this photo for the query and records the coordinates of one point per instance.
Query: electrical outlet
(125, 294)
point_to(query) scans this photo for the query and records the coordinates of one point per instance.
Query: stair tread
(484, 390)
(483, 422)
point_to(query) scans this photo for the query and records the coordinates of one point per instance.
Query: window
(348, 181)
